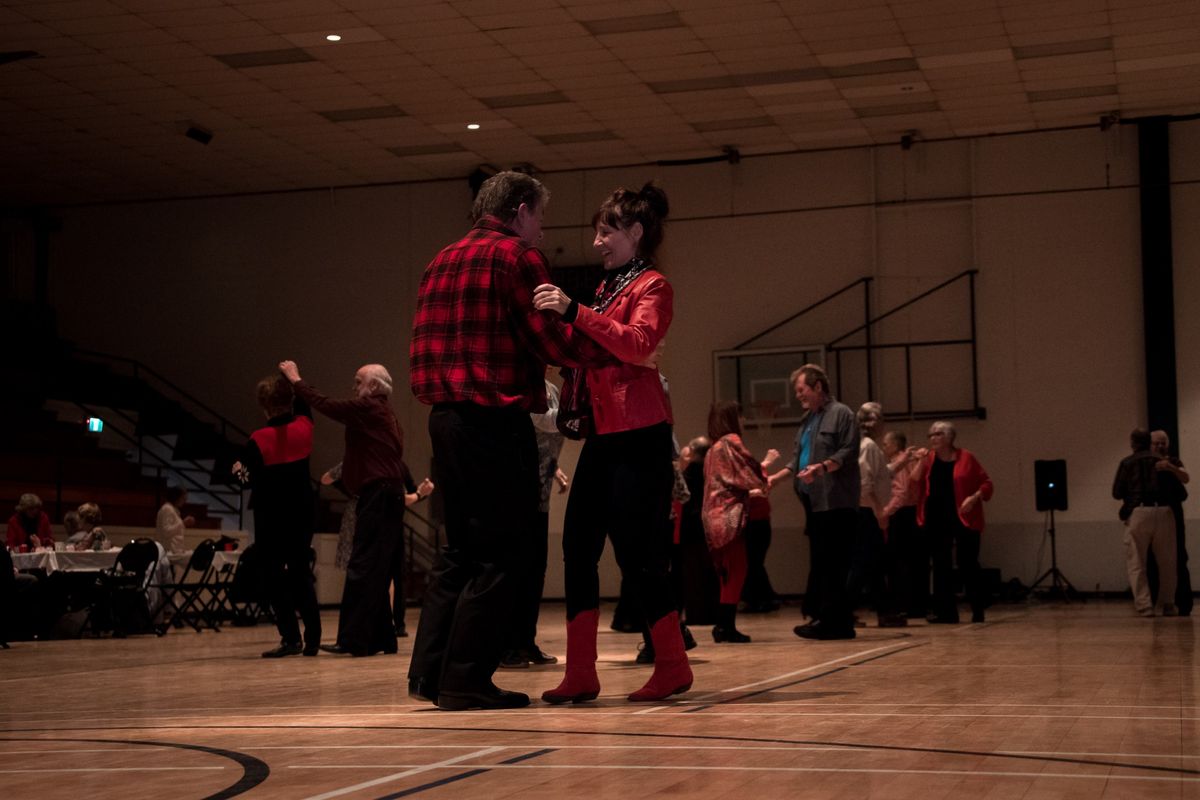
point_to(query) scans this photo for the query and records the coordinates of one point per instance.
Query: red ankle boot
(581, 683)
(672, 675)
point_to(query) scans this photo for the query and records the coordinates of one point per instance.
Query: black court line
(463, 775)
(254, 771)
(424, 787)
(888, 748)
(770, 689)
(527, 756)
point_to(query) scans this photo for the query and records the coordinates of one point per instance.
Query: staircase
(53, 456)
(155, 433)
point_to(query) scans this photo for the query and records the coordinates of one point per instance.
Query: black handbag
(574, 419)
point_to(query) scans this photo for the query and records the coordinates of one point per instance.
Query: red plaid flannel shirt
(476, 335)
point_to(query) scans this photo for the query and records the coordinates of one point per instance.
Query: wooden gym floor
(1043, 701)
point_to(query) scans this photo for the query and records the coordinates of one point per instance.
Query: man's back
(1136, 481)
(464, 346)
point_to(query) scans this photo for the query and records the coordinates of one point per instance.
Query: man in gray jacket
(824, 469)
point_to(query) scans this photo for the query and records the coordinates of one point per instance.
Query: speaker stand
(1058, 585)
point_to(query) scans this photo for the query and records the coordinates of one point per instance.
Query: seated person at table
(170, 525)
(29, 526)
(90, 533)
(71, 524)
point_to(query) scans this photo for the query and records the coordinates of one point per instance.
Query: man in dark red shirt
(373, 471)
(478, 355)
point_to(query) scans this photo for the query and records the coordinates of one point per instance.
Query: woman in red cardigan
(624, 476)
(731, 477)
(953, 487)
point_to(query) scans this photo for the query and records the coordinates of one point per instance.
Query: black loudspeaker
(1050, 483)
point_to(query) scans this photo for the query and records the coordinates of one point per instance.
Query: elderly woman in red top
(29, 526)
(731, 477)
(953, 486)
(624, 476)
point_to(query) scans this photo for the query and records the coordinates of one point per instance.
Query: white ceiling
(100, 113)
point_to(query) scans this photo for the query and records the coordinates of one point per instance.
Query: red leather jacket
(626, 396)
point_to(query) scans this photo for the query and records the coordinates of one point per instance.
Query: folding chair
(199, 577)
(123, 603)
(243, 593)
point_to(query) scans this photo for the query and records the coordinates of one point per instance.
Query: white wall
(214, 292)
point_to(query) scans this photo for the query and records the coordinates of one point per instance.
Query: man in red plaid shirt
(478, 355)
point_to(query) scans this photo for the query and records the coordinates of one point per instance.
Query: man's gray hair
(869, 409)
(503, 193)
(378, 374)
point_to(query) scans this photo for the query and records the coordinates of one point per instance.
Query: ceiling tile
(766, 75)
(74, 9)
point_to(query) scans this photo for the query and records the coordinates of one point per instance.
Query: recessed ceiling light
(473, 126)
(333, 37)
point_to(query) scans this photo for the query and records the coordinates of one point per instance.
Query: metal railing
(150, 376)
(870, 346)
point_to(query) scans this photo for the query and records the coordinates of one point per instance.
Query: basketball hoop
(762, 413)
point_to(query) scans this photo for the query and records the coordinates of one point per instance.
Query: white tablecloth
(66, 560)
(96, 560)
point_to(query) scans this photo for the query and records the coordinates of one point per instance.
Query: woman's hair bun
(656, 199)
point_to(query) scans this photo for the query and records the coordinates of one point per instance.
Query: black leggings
(623, 490)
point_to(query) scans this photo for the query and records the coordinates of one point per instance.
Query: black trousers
(907, 563)
(399, 602)
(486, 467)
(757, 590)
(831, 538)
(529, 588)
(867, 564)
(951, 541)
(365, 619)
(287, 573)
(701, 589)
(623, 491)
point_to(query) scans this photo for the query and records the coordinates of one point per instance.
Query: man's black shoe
(689, 641)
(539, 658)
(422, 689)
(822, 632)
(284, 649)
(338, 650)
(312, 648)
(514, 659)
(488, 699)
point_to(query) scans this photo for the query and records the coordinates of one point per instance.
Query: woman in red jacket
(953, 486)
(624, 476)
